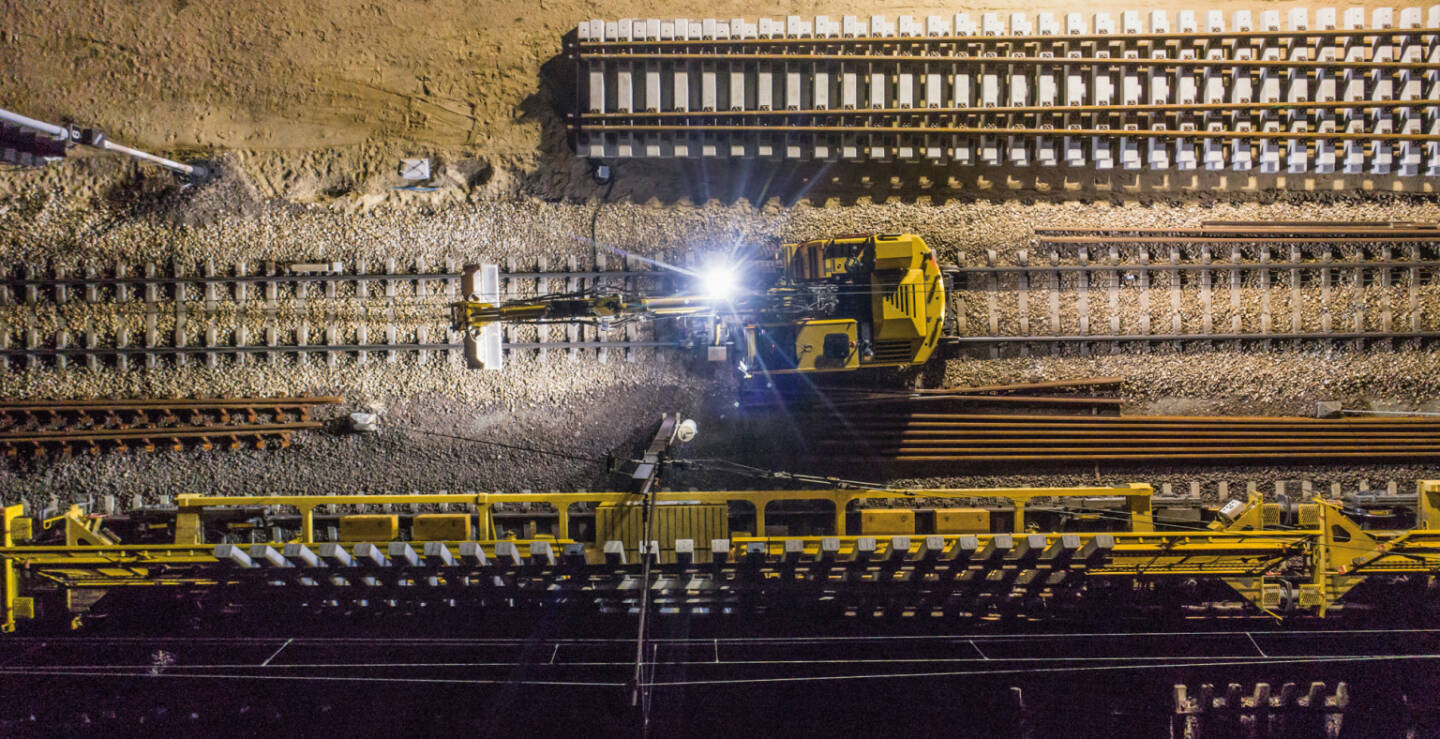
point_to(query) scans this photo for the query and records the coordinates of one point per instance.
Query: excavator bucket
(485, 351)
(482, 284)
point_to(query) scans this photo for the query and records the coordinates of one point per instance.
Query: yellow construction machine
(824, 305)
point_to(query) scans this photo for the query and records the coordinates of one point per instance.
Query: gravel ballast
(582, 408)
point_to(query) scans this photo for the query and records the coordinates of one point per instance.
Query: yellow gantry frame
(1338, 554)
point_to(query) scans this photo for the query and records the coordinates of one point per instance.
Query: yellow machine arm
(481, 314)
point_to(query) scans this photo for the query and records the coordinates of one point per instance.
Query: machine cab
(847, 303)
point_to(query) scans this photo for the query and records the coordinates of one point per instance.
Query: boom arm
(482, 313)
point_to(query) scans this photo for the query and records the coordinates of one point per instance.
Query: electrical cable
(149, 671)
(1183, 663)
(1049, 670)
(737, 468)
(582, 641)
(595, 215)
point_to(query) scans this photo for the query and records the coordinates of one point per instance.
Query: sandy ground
(307, 107)
(321, 98)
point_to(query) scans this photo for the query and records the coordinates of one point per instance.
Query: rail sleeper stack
(1312, 93)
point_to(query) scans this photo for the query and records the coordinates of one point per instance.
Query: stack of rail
(939, 438)
(65, 427)
(1322, 95)
(876, 399)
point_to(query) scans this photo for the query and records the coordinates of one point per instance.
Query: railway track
(1071, 290)
(1098, 289)
(66, 427)
(971, 438)
(1324, 95)
(274, 312)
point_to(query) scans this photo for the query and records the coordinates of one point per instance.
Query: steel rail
(1058, 61)
(939, 436)
(1180, 338)
(1021, 131)
(308, 278)
(1020, 387)
(155, 432)
(1113, 38)
(1174, 240)
(1283, 225)
(1150, 420)
(1393, 232)
(863, 426)
(1019, 109)
(314, 348)
(1129, 446)
(1149, 456)
(177, 404)
(1198, 267)
(114, 439)
(980, 399)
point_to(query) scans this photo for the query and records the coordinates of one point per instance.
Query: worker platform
(968, 554)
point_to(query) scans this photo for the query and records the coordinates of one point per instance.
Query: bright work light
(719, 281)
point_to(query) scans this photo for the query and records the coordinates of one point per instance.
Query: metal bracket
(13, 607)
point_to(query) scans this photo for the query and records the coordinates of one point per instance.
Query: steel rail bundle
(188, 297)
(65, 427)
(1256, 283)
(1333, 96)
(313, 552)
(830, 397)
(924, 438)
